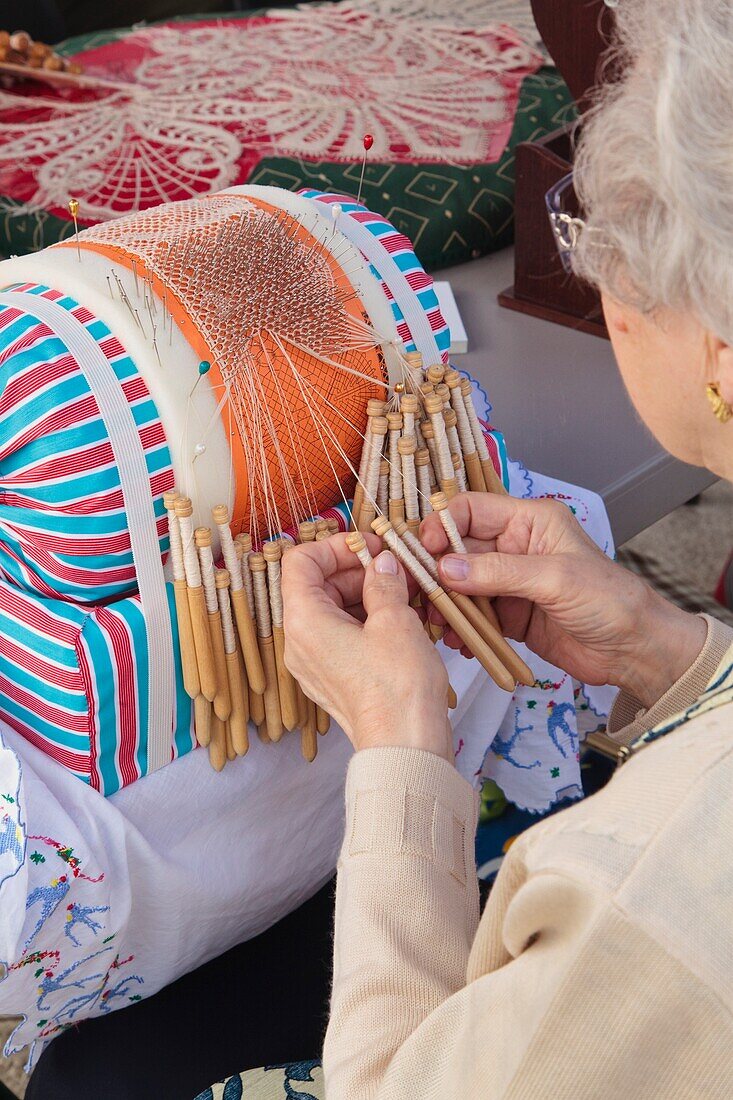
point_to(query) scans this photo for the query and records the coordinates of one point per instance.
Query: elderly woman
(603, 963)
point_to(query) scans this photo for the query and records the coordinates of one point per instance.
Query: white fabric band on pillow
(415, 317)
(135, 483)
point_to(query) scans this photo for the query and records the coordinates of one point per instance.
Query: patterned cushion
(452, 211)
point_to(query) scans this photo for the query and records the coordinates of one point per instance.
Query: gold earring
(721, 408)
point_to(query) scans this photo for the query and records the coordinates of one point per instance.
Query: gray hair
(654, 166)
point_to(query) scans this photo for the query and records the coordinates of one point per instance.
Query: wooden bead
(53, 63)
(20, 41)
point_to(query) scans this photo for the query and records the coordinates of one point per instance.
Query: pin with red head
(367, 143)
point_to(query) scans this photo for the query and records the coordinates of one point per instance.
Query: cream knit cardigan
(602, 966)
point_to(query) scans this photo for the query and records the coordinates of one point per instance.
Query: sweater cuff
(628, 718)
(408, 802)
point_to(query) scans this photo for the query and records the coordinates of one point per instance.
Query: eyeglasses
(566, 227)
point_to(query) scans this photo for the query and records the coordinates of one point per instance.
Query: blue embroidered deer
(50, 897)
(81, 914)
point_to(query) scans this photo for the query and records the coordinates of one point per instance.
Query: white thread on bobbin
(206, 558)
(225, 607)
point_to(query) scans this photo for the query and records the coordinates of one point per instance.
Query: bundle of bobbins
(232, 635)
(421, 448)
(19, 48)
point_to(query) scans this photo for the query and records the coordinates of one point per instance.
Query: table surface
(558, 397)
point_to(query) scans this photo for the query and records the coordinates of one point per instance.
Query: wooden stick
(323, 721)
(197, 602)
(191, 684)
(222, 701)
(378, 428)
(422, 462)
(452, 615)
(474, 473)
(374, 408)
(202, 711)
(272, 552)
(238, 687)
(273, 720)
(406, 448)
(445, 471)
(413, 369)
(256, 707)
(492, 480)
(309, 734)
(486, 623)
(240, 603)
(218, 744)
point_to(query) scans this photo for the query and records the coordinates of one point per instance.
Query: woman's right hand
(556, 591)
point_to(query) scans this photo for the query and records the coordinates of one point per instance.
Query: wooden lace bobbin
(410, 409)
(378, 427)
(474, 473)
(300, 697)
(434, 464)
(422, 460)
(383, 490)
(427, 560)
(458, 471)
(272, 553)
(238, 687)
(413, 370)
(445, 471)
(450, 612)
(307, 531)
(396, 488)
(273, 722)
(514, 663)
(196, 602)
(243, 548)
(333, 526)
(218, 743)
(189, 665)
(435, 374)
(202, 711)
(309, 733)
(222, 702)
(407, 448)
(427, 389)
(240, 603)
(322, 527)
(451, 430)
(375, 408)
(487, 628)
(492, 480)
(357, 544)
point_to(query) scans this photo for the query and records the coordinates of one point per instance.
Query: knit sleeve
(629, 719)
(406, 909)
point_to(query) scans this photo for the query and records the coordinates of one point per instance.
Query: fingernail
(386, 563)
(455, 569)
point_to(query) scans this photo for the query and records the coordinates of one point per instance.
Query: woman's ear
(615, 315)
(721, 369)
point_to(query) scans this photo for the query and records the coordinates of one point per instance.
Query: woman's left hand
(360, 651)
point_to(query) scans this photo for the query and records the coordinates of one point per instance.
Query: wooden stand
(576, 33)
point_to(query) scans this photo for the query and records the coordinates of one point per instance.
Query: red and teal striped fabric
(63, 527)
(73, 638)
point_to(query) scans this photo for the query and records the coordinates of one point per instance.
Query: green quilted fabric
(452, 214)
